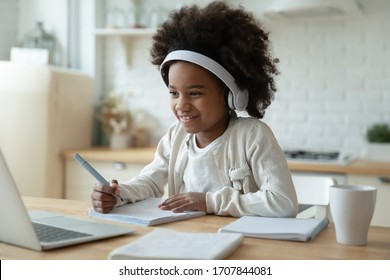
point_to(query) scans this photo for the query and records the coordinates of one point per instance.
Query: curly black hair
(230, 36)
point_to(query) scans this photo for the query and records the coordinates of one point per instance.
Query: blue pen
(93, 172)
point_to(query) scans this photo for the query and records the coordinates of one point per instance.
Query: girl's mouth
(186, 119)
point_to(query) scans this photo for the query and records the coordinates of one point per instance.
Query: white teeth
(187, 118)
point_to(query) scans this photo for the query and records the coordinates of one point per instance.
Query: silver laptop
(34, 230)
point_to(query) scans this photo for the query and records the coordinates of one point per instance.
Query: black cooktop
(311, 155)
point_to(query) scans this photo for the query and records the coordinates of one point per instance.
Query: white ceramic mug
(352, 208)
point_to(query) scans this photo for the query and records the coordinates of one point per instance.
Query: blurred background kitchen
(334, 81)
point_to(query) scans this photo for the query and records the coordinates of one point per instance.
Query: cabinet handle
(119, 165)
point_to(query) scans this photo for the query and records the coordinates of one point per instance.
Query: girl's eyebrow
(188, 87)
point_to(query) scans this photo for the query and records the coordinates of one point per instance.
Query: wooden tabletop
(324, 246)
(146, 155)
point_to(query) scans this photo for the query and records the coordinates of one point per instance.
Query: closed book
(145, 213)
(165, 244)
(277, 228)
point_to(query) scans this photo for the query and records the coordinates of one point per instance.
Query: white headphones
(237, 98)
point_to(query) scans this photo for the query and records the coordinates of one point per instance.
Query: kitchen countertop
(131, 155)
(145, 155)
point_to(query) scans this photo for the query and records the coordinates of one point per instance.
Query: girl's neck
(203, 139)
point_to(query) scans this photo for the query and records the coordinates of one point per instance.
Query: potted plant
(378, 137)
(116, 120)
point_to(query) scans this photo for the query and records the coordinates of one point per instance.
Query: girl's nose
(182, 104)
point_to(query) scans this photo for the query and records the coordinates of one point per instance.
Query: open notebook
(277, 228)
(31, 230)
(144, 213)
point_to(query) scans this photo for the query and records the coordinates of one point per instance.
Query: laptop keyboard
(51, 234)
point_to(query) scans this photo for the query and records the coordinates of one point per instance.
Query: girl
(214, 60)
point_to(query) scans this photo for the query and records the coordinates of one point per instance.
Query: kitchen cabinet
(111, 164)
(39, 118)
(340, 178)
(79, 184)
(382, 209)
(359, 172)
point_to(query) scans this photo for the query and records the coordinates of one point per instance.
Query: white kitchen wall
(334, 81)
(8, 27)
(54, 15)
(19, 17)
(131, 72)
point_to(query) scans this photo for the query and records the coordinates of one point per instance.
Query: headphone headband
(239, 98)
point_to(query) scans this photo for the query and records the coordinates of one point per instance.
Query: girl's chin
(190, 130)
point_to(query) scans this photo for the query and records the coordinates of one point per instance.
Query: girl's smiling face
(197, 100)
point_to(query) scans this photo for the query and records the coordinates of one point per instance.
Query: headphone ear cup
(230, 99)
(239, 101)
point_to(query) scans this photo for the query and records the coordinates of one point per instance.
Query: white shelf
(124, 31)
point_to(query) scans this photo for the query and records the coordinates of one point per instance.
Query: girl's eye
(173, 93)
(195, 93)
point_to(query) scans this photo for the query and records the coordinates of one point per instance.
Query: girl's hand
(191, 201)
(103, 199)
